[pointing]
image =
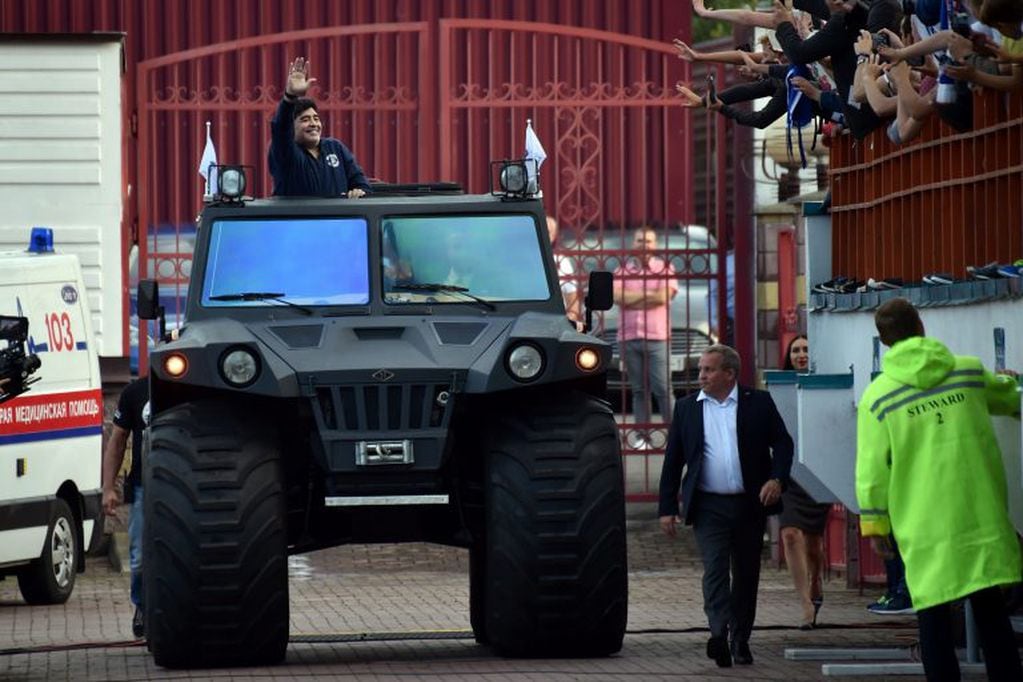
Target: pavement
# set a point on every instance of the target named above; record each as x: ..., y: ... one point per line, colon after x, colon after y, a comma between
x: 375, y: 612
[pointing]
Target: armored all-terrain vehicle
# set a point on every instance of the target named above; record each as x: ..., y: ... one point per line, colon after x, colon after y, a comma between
x: 389, y: 369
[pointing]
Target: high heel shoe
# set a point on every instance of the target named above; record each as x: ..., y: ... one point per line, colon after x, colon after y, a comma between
x: 817, y: 603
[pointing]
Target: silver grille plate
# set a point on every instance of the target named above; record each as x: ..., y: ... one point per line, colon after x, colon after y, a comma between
x: 376, y: 452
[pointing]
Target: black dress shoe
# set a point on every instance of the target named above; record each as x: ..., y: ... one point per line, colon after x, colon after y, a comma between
x: 717, y: 648
x: 741, y: 653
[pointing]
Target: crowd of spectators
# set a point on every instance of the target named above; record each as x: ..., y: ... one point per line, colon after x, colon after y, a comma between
x: 861, y: 64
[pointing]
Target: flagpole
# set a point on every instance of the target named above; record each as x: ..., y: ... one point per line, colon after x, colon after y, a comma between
x: 206, y: 194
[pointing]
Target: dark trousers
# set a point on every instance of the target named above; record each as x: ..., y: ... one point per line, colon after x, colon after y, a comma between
x: 997, y: 640
x: 895, y: 573
x: 730, y: 534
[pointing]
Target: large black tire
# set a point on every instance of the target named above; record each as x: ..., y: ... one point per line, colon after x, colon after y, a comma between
x: 556, y: 570
x: 214, y: 541
x: 50, y: 579
x: 477, y: 593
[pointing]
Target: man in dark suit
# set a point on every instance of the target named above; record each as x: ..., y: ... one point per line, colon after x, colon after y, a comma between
x: 737, y: 456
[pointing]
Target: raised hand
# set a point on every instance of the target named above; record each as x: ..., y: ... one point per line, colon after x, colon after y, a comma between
x: 893, y: 38
x: 685, y: 53
x: 690, y: 99
x: 807, y: 88
x: 749, y: 62
x: 782, y: 14
x: 864, y: 44
x: 960, y: 47
x: 770, y: 54
x: 299, y: 81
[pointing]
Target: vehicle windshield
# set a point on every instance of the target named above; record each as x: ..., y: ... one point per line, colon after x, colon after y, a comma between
x: 492, y: 257
x: 311, y: 262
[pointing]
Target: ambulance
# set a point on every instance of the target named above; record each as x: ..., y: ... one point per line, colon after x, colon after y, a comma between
x: 51, y: 418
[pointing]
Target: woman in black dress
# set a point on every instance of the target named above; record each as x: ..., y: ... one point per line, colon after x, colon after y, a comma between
x: 803, y: 521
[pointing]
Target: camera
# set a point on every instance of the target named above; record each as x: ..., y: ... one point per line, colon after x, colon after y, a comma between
x: 16, y: 366
x: 960, y: 23
x: 879, y: 40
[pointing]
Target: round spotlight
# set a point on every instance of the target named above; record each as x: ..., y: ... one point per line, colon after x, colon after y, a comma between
x: 232, y: 182
x: 525, y: 362
x: 239, y: 367
x: 514, y: 178
x: 175, y: 365
x: 587, y: 359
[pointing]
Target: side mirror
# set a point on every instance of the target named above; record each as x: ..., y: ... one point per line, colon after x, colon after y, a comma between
x: 599, y: 294
x: 148, y: 299
x: 148, y: 303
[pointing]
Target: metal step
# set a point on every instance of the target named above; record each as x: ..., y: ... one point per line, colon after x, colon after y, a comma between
x: 384, y: 500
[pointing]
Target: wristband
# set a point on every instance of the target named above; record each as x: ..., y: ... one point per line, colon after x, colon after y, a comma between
x: 289, y: 97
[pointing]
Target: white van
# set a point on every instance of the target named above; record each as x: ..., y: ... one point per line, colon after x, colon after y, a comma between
x: 51, y: 422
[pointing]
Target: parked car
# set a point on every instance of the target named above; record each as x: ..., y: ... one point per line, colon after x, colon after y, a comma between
x: 691, y: 250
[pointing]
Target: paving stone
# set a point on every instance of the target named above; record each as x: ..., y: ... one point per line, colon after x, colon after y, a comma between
x: 417, y: 589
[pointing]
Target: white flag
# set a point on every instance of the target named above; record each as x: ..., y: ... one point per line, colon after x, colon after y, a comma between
x: 209, y: 158
x: 534, y: 151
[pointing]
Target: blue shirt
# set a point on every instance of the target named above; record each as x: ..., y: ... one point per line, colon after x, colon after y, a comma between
x: 297, y: 173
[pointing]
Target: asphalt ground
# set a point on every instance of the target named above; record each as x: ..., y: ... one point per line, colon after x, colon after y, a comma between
x: 382, y: 612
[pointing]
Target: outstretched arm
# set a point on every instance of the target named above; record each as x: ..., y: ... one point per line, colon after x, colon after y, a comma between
x: 942, y: 40
x: 742, y: 17
x: 689, y: 54
x: 1010, y: 83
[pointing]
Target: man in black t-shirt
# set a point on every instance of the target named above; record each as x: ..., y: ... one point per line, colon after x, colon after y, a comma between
x: 132, y: 416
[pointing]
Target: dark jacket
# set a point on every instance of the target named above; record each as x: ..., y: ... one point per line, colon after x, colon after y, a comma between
x: 765, y: 451
x: 297, y: 173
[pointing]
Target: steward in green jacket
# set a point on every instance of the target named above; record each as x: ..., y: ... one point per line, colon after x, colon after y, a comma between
x: 929, y: 469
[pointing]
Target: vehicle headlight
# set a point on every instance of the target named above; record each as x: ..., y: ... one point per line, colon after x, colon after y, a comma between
x: 525, y: 362
x: 587, y: 359
x: 239, y: 367
x: 175, y: 365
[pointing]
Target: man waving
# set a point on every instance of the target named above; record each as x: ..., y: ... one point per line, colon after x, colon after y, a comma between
x: 302, y: 161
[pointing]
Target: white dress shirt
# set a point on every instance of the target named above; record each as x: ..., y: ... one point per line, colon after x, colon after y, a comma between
x: 721, y: 472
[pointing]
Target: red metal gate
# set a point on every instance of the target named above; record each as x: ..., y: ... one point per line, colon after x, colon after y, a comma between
x: 441, y: 100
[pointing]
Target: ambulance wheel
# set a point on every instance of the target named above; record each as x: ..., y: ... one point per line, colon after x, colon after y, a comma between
x: 51, y: 578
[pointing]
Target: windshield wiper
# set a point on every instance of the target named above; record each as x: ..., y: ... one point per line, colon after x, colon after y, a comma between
x: 261, y: 296
x: 447, y: 289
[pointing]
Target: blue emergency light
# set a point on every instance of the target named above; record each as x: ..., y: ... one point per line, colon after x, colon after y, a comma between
x: 41, y: 240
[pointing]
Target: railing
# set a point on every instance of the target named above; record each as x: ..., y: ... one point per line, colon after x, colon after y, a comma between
x: 937, y: 204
